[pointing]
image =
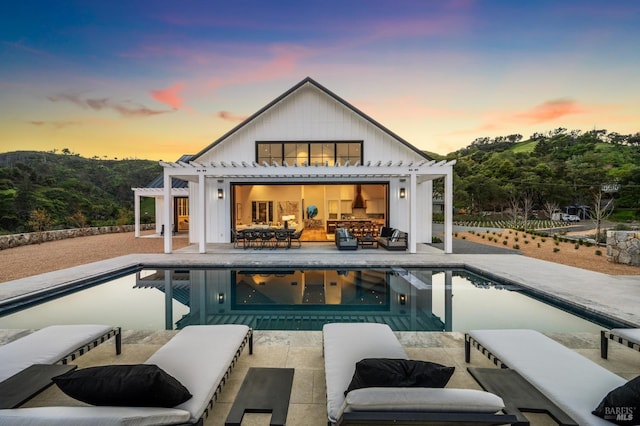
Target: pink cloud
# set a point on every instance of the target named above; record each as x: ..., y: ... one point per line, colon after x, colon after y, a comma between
x: 170, y: 96
x: 282, y: 64
x: 126, y: 108
x: 226, y: 115
x: 549, y: 111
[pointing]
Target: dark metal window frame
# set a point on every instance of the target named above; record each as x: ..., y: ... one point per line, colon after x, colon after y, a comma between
x: 308, y: 143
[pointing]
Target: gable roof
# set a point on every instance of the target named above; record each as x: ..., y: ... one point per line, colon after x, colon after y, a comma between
x: 176, y: 183
x: 309, y: 80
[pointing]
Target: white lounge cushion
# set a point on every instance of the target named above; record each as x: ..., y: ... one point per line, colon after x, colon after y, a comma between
x: 94, y: 416
x: 575, y: 383
x: 631, y: 334
x: 46, y: 346
x: 199, y: 357
x: 344, y: 345
x: 422, y: 399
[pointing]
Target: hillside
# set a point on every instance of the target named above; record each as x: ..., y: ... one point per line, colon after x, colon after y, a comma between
x: 550, y: 172
x: 74, y: 191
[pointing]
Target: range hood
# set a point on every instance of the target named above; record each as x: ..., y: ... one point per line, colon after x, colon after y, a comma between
x: 358, y: 201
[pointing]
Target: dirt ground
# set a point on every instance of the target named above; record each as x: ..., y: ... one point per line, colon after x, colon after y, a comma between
x: 25, y: 261
x: 567, y: 253
x: 36, y: 259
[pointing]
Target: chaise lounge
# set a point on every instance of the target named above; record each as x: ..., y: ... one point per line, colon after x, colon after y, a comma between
x: 574, y: 383
x: 630, y: 337
x: 199, y: 357
x: 345, y: 344
x: 52, y: 345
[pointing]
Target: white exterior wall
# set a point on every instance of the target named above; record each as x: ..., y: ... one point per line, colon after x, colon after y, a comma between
x: 306, y: 115
x: 310, y: 115
x: 159, y: 213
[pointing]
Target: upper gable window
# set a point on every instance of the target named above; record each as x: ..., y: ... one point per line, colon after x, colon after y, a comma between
x: 311, y: 153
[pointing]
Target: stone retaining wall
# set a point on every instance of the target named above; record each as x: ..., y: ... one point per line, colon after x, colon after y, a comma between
x: 623, y: 247
x: 16, y: 240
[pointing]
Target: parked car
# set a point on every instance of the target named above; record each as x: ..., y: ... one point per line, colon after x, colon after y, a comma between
x: 570, y: 218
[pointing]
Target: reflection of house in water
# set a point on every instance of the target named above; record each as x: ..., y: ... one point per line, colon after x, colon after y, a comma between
x: 301, y: 299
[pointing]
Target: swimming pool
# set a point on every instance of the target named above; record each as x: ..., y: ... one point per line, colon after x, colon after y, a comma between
x: 408, y: 299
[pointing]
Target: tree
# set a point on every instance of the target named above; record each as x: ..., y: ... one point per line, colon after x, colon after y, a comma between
x: 549, y: 208
x: 39, y: 221
x: 527, y: 207
x: 601, y: 210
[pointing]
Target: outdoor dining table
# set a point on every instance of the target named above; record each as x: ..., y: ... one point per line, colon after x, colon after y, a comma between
x: 261, y: 237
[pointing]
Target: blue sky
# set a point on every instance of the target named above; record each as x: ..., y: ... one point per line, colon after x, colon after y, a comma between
x: 159, y: 79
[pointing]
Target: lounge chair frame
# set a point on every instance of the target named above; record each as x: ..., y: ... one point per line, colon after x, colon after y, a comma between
x: 470, y: 341
x: 114, y: 332
x: 248, y: 339
x: 412, y: 418
x: 606, y: 335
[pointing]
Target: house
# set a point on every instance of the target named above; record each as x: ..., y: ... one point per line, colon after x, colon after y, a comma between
x: 308, y: 159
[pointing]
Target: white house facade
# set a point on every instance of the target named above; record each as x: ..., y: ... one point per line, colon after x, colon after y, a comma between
x: 308, y: 159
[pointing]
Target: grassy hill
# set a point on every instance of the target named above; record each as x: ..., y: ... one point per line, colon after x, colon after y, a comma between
x: 71, y: 189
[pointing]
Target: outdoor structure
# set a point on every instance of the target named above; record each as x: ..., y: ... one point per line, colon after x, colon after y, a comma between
x: 308, y: 159
x: 179, y: 206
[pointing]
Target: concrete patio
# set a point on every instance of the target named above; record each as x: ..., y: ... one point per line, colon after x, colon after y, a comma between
x: 616, y: 297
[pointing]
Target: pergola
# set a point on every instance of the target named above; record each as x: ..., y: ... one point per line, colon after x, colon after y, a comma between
x: 416, y: 174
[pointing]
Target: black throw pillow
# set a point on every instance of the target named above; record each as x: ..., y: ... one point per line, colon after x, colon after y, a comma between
x: 622, y: 405
x: 385, y: 372
x: 140, y: 385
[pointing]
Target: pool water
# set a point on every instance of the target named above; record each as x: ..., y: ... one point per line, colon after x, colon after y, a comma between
x: 411, y: 299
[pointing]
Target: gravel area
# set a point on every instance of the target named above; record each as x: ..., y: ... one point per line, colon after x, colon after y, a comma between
x: 567, y: 254
x: 25, y: 261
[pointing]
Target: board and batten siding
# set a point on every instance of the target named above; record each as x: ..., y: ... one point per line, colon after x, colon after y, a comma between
x: 309, y: 115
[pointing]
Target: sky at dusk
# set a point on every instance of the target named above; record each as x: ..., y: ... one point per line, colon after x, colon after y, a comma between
x: 158, y: 79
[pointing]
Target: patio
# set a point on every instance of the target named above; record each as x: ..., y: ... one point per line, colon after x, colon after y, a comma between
x: 303, y: 350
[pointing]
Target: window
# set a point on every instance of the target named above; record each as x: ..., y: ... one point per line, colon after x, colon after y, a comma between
x: 309, y: 152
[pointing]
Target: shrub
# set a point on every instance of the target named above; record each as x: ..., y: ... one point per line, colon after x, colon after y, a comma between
x: 516, y: 246
x: 576, y: 246
x: 543, y: 239
x: 526, y: 241
x: 556, y: 249
x: 598, y: 252
x: 505, y: 242
x: 538, y: 245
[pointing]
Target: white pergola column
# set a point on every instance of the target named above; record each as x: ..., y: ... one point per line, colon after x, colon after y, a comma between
x: 202, y: 240
x: 448, y: 211
x: 167, y: 213
x: 136, y: 214
x: 413, y: 213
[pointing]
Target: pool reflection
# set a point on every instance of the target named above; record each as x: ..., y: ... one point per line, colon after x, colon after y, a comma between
x: 302, y: 299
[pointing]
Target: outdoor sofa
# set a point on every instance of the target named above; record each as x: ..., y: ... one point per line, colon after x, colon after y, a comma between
x: 393, y: 239
x: 629, y: 337
x: 345, y: 344
x: 199, y: 357
x: 577, y: 385
x: 344, y: 240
